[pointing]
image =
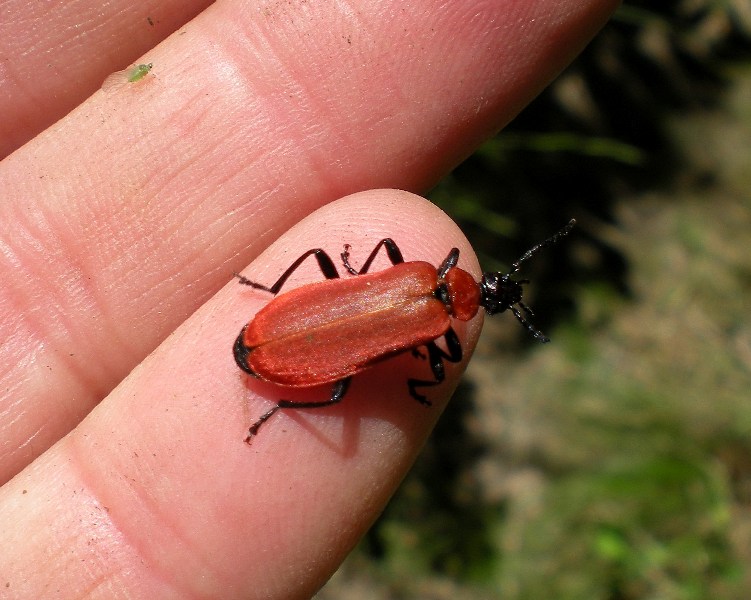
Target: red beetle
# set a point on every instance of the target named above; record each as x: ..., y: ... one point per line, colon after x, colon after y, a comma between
x: 327, y: 332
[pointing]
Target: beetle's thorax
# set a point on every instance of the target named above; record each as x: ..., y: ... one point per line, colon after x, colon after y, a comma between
x: 458, y: 290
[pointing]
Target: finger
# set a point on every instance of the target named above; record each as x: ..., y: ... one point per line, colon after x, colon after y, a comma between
x: 56, y: 54
x: 125, y: 216
x: 158, y: 496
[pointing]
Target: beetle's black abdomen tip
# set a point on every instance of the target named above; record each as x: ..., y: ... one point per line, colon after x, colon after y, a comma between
x: 241, y: 352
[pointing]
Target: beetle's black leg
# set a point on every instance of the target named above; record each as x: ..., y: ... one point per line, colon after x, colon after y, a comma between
x: 436, y: 356
x: 324, y: 262
x: 337, y: 393
x: 392, y: 251
x: 448, y: 263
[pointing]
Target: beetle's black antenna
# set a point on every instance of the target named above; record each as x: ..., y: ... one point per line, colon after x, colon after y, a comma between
x: 539, y: 335
x: 544, y: 244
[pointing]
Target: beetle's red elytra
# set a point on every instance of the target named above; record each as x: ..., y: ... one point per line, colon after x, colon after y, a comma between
x: 329, y: 331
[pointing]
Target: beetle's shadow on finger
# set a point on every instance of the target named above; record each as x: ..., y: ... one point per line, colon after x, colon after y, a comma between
x: 312, y: 421
x: 380, y: 393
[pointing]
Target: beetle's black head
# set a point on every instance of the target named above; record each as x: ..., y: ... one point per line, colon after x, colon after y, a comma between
x: 500, y: 292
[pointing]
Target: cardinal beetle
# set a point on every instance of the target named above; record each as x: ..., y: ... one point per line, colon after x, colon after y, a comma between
x: 327, y: 332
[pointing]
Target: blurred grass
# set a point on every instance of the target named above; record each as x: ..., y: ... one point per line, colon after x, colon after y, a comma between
x: 614, y: 463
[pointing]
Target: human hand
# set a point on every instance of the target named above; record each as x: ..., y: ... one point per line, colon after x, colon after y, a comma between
x: 121, y: 226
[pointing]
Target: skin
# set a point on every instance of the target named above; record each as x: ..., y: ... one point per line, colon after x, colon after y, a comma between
x: 123, y: 412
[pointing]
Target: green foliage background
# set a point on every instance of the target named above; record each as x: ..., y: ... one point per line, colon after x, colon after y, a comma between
x: 614, y: 463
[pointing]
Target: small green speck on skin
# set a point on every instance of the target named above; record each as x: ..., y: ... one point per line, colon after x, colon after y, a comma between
x: 117, y: 81
x: 139, y: 72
